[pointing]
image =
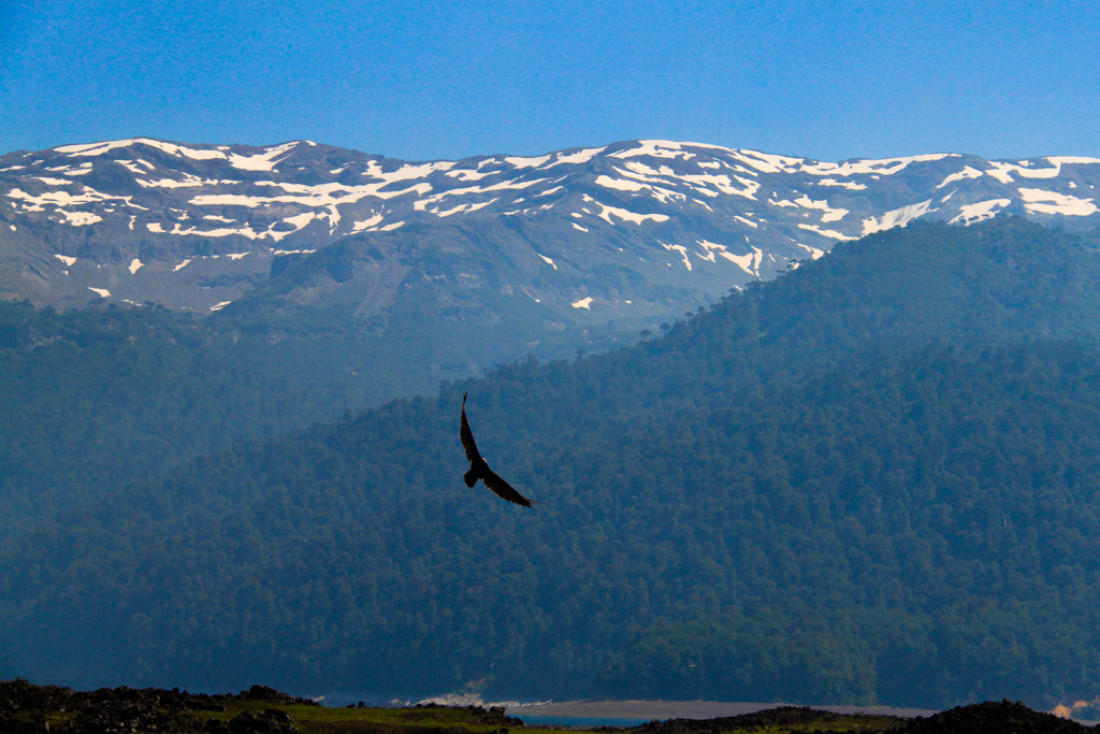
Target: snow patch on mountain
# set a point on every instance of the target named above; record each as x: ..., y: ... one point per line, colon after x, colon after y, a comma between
x: 1040, y: 201
x: 654, y: 149
x: 458, y: 209
x: 850, y: 185
x: 607, y: 212
x: 32, y: 203
x: 245, y: 231
x: 1003, y: 171
x: 714, y: 185
x: 80, y: 219
x: 830, y: 214
x: 82, y: 170
x: 95, y: 148
x: 49, y: 181
x: 364, y: 225
x: 519, y: 162
x: 815, y: 253
x: 578, y: 157
x: 714, y: 250
x: 896, y: 217
x: 426, y: 203
x: 966, y: 173
x: 768, y: 162
x: 880, y: 166
x: 661, y: 194
x: 830, y: 233
x: 262, y: 161
x: 265, y: 161
x: 750, y: 262
x: 682, y: 251
x: 978, y: 211
x: 188, y: 181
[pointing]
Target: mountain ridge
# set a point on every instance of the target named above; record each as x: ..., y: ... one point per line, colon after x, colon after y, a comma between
x: 473, y: 262
x: 196, y: 227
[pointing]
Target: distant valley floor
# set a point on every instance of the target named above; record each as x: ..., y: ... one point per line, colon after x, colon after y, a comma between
x: 649, y: 710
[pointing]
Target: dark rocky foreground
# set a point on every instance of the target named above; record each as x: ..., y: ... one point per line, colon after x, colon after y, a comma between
x: 25, y: 707
x: 1005, y: 717
x: 995, y: 717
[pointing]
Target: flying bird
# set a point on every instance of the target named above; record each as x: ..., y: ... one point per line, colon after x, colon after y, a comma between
x: 479, y: 469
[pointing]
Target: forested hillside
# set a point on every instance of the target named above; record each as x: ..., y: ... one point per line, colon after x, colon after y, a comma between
x: 874, y: 479
x: 94, y: 398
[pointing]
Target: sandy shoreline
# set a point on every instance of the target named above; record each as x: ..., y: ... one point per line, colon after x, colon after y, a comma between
x: 649, y: 710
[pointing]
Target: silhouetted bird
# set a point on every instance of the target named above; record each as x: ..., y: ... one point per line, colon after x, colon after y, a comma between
x: 479, y: 469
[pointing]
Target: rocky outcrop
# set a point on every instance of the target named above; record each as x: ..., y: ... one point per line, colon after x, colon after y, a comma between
x: 25, y: 707
x: 995, y: 718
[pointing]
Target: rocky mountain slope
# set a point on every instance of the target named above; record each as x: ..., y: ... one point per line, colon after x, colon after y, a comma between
x: 434, y: 271
x: 624, y: 233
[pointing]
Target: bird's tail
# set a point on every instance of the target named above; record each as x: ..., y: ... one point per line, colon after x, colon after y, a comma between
x: 471, y: 477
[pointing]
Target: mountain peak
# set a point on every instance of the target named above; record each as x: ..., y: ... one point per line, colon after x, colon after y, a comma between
x: 683, y: 221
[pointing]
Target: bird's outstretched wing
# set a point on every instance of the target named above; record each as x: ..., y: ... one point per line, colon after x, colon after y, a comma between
x: 472, y: 454
x: 502, y: 488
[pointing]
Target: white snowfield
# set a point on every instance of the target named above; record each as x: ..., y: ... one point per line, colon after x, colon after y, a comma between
x: 896, y: 217
x: 585, y: 303
x: 758, y: 209
x: 1052, y: 202
x: 264, y: 161
x: 980, y: 210
x: 667, y: 173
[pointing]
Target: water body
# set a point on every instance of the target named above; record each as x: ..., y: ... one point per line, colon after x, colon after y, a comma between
x: 633, y: 713
x: 605, y: 713
x: 580, y: 722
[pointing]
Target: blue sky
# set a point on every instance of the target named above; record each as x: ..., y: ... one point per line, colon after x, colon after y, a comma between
x: 445, y: 79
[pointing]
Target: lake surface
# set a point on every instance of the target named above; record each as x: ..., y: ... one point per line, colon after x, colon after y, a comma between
x: 585, y: 722
x: 634, y: 713
x: 608, y: 713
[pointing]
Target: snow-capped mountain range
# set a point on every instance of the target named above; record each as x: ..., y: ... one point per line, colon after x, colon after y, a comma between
x: 630, y: 231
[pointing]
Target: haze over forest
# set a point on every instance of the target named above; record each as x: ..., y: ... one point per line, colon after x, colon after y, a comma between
x: 870, y: 479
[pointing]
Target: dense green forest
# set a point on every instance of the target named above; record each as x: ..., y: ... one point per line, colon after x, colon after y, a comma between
x: 96, y: 398
x: 873, y: 479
